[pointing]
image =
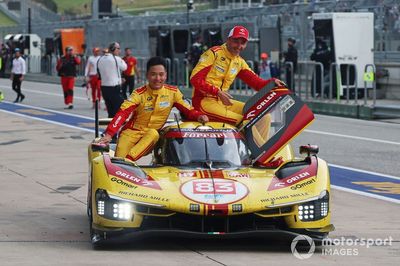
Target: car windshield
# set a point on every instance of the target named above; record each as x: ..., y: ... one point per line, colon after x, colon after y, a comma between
x: 224, y: 152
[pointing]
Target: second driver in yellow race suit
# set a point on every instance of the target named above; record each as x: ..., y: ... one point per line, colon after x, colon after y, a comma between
x: 147, y: 108
x: 215, y: 72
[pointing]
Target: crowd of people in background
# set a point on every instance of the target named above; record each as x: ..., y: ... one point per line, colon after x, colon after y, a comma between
x: 111, y: 77
x: 99, y: 73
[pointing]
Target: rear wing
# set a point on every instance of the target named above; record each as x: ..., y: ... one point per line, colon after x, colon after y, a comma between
x: 271, y: 118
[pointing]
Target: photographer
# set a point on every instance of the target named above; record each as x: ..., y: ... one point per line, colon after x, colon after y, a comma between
x: 109, y: 68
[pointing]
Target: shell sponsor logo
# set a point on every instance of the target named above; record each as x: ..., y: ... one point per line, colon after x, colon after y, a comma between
x: 236, y: 174
x: 187, y: 174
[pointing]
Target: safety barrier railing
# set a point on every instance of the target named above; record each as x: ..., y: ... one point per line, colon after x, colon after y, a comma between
x: 176, y: 70
x: 355, y: 85
x: 310, y: 80
x: 186, y: 74
x: 169, y: 69
x: 141, y: 66
x: 289, y: 74
x: 308, y: 77
x: 241, y: 88
x: 334, y: 79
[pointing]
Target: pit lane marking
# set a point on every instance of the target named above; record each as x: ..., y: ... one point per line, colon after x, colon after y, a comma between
x: 363, y: 171
x: 48, y: 121
x: 371, y: 195
x: 351, y: 137
x: 47, y: 93
x: 349, y: 186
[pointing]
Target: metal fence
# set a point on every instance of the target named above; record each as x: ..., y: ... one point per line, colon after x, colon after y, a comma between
x: 311, y: 81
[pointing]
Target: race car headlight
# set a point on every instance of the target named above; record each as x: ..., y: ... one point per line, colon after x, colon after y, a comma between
x: 111, y: 208
x: 314, y: 210
x: 122, y: 211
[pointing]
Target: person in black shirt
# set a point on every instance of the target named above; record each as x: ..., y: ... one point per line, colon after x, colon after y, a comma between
x: 291, y: 56
x: 321, y: 54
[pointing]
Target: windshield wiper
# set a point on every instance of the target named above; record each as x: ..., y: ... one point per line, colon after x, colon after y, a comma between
x: 206, y: 164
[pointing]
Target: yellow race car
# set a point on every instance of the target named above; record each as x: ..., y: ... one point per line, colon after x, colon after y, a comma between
x: 216, y: 180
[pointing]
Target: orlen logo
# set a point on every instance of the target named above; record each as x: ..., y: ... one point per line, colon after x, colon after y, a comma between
x: 278, y: 184
x: 117, y: 121
x: 261, y: 105
x: 297, y: 177
x: 128, y: 176
x: 137, y: 180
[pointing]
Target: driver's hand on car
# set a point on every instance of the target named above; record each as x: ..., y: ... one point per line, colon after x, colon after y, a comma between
x: 105, y: 140
x: 280, y: 83
x: 225, y: 97
x: 203, y: 119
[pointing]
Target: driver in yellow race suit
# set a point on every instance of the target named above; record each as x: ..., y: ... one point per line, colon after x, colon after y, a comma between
x: 147, y: 109
x: 216, y: 71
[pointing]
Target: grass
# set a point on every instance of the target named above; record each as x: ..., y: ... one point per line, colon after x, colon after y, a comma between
x: 74, y: 6
x: 129, y: 6
x: 6, y: 21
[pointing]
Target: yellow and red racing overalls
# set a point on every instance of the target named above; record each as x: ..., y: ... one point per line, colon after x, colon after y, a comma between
x: 217, y: 70
x: 147, y: 111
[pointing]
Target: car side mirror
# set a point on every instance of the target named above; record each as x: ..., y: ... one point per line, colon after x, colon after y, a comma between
x: 220, y: 141
x: 309, y: 149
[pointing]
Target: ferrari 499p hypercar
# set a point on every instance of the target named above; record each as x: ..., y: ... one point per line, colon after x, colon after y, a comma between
x: 216, y: 180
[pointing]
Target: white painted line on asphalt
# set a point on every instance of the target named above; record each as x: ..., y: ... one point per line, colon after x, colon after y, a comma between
x: 366, y: 194
x: 52, y: 111
x: 49, y: 93
x: 48, y: 121
x: 352, y: 137
x: 55, y: 94
x: 364, y: 171
x: 335, y: 165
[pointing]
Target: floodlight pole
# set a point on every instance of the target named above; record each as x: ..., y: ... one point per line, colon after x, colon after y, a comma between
x: 189, y: 6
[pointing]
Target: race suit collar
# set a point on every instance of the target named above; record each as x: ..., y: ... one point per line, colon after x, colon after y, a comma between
x: 227, y: 53
x: 154, y: 92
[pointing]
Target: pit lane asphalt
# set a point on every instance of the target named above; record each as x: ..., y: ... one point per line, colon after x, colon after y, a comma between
x: 44, y: 173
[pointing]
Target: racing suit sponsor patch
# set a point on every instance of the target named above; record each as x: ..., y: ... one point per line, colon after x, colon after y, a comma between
x: 164, y: 104
x: 220, y: 69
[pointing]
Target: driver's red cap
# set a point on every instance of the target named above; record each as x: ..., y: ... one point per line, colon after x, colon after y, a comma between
x: 239, y: 32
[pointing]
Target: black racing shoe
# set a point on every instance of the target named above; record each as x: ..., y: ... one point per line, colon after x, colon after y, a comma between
x: 22, y: 98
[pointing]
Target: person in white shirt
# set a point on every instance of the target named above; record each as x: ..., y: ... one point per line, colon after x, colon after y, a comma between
x: 18, y: 71
x: 91, y: 76
x: 109, y: 68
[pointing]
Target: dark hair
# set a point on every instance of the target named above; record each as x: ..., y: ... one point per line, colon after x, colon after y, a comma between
x: 113, y: 46
x: 157, y: 60
x: 291, y: 39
